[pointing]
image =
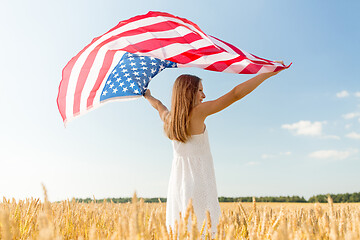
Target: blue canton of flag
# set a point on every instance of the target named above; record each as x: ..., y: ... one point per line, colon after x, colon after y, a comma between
x: 132, y: 75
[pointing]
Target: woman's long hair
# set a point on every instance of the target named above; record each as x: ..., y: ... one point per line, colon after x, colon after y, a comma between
x: 182, y: 102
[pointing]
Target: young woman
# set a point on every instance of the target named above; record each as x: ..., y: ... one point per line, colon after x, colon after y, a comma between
x: 192, y: 173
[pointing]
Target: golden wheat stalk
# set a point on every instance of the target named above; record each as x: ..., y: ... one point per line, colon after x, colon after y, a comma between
x: 34, y: 219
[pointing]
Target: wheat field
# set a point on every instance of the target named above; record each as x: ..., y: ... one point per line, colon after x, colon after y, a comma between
x: 33, y: 219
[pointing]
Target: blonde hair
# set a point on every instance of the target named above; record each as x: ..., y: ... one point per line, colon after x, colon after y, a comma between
x: 182, y: 102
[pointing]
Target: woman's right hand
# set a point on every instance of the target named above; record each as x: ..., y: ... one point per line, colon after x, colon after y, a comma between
x: 147, y: 93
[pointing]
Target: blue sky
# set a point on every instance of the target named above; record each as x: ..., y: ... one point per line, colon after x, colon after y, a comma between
x: 297, y: 134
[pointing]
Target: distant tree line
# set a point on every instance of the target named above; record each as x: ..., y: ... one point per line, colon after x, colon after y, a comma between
x: 263, y: 199
x: 119, y: 200
x: 337, y: 198
x: 321, y: 198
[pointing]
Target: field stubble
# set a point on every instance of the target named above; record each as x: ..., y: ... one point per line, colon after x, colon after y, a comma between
x: 33, y: 219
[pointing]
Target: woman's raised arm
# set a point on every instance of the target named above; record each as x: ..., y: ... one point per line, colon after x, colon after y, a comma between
x: 207, y: 108
x: 157, y: 104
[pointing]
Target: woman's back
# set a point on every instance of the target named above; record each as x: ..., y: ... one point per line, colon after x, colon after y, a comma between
x: 197, y: 145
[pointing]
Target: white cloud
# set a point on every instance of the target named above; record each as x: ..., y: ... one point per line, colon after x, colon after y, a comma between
x: 330, y: 154
x: 357, y: 94
x: 351, y: 115
x: 347, y: 126
x: 353, y: 135
x: 306, y: 128
x: 342, y: 94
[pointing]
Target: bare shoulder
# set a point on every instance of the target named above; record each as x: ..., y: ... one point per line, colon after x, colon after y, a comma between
x: 210, y: 107
x: 197, y: 112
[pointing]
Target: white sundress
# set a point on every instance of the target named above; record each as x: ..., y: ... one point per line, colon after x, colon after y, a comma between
x: 192, y: 176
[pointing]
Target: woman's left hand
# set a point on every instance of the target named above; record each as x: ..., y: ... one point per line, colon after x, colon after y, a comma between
x: 274, y: 73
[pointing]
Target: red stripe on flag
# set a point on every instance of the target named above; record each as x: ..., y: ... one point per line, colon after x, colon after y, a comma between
x: 251, y: 69
x: 61, y: 98
x: 101, y: 77
x: 154, y: 44
x: 278, y: 68
x: 193, y: 54
x: 222, y: 65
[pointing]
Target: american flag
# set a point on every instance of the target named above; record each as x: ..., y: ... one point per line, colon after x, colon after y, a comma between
x: 119, y: 64
x: 131, y: 76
